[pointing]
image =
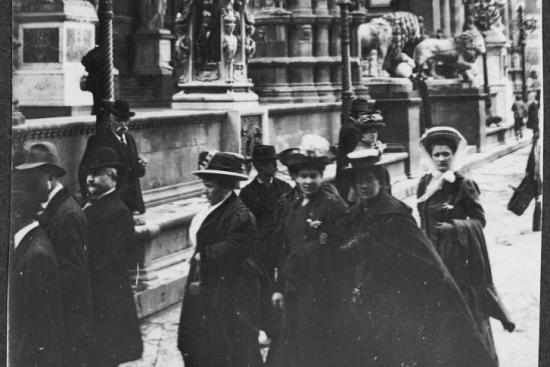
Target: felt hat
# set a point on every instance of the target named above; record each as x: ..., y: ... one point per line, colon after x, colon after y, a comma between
x: 363, y: 157
x: 221, y: 164
x: 103, y: 157
x: 442, y: 133
x: 262, y: 153
x: 121, y: 109
x: 313, y: 149
x: 43, y: 154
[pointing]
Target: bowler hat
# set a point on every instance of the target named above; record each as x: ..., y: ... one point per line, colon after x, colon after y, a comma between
x: 121, y: 109
x: 43, y: 154
x: 103, y: 157
x: 221, y: 164
x: 263, y: 153
x: 313, y: 149
x: 442, y: 133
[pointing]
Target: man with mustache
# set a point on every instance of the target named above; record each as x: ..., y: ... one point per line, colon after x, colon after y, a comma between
x: 118, y: 138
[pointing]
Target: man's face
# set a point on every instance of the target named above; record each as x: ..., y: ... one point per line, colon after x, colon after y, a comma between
x: 99, y: 182
x: 266, y: 168
x: 308, y: 181
x: 366, y: 185
x: 119, y: 124
x: 213, y: 191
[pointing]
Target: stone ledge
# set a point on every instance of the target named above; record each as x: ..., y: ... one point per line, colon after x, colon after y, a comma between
x: 290, y: 108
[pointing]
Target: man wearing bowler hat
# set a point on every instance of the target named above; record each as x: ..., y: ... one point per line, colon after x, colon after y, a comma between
x: 261, y: 195
x: 118, y: 138
x: 66, y: 227
x: 117, y: 336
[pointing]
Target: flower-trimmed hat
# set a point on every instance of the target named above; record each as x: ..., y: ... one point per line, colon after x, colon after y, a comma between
x: 221, y: 164
x: 362, y: 158
x: 313, y: 149
x: 367, y: 115
x: 442, y: 133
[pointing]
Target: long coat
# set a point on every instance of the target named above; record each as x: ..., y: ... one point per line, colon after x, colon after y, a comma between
x: 128, y: 184
x: 464, y: 251
x: 67, y: 229
x: 212, y: 332
x: 117, y: 336
x: 35, y: 319
x: 405, y: 308
x: 307, y: 278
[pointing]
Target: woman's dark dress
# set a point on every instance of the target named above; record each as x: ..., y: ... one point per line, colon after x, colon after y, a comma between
x: 306, y: 278
x: 464, y: 251
x: 405, y: 309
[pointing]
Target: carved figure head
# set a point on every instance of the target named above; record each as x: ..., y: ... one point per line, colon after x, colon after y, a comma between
x: 230, y: 22
x: 470, y: 44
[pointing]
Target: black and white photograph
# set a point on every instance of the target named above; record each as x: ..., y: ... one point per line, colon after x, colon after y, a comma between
x: 276, y: 183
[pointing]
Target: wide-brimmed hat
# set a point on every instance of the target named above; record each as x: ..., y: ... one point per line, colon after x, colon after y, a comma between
x: 221, y: 164
x: 262, y: 153
x: 369, y: 117
x: 313, y: 149
x: 441, y: 132
x: 43, y: 154
x: 103, y: 157
x: 363, y: 157
x: 121, y: 109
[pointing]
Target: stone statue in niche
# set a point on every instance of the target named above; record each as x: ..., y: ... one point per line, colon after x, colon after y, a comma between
x: 182, y: 46
x: 230, y: 42
x: 450, y: 58
x: 152, y: 13
x: 390, y: 35
x: 249, y: 43
x: 203, y: 42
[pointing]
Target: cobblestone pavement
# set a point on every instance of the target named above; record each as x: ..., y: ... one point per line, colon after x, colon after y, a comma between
x: 514, y: 251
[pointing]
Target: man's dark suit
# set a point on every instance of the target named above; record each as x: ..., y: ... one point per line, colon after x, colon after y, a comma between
x: 117, y: 334
x: 35, y: 321
x: 66, y: 227
x: 128, y: 183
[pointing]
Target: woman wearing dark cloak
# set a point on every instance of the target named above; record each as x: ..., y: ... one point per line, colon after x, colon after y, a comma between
x: 404, y: 307
x: 305, y: 289
x: 453, y: 219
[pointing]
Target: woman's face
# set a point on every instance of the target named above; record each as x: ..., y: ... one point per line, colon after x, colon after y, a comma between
x: 442, y: 155
x: 308, y: 181
x: 213, y: 191
x: 367, y: 185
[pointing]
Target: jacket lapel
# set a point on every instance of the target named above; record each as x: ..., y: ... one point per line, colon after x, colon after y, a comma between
x: 54, y: 204
x: 214, y: 217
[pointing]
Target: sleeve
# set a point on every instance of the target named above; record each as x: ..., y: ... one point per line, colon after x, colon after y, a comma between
x: 91, y: 144
x: 44, y: 325
x: 279, y: 214
x: 138, y: 167
x: 237, y: 245
x: 72, y: 256
x: 470, y: 192
x: 118, y: 238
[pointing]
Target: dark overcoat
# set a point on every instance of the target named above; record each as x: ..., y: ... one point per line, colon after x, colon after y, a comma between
x: 128, y: 183
x: 464, y: 250
x: 211, y: 331
x: 307, y: 279
x: 117, y: 333
x: 67, y: 229
x: 406, y: 310
x: 35, y: 319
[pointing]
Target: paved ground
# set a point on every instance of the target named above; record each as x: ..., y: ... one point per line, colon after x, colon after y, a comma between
x: 515, y: 256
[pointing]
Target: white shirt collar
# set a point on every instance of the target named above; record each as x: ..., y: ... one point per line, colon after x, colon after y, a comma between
x: 52, y: 193
x: 19, y: 235
x: 270, y: 181
x: 121, y: 138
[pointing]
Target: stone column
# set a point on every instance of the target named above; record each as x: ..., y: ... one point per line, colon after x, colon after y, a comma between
x: 436, y: 16
x: 457, y: 12
x: 445, y: 11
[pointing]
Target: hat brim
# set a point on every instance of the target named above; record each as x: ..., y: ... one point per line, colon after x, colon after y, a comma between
x: 214, y: 172
x: 116, y: 165
x: 298, y: 159
x: 58, y: 171
x: 371, y: 124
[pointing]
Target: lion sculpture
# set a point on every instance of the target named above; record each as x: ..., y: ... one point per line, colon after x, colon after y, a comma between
x: 383, y: 40
x: 450, y: 58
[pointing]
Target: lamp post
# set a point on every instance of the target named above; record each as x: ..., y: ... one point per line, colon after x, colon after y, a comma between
x: 106, y: 83
x: 347, y: 92
x: 525, y: 26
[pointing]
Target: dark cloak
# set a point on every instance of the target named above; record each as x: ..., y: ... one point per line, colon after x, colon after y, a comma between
x: 464, y: 251
x: 405, y: 308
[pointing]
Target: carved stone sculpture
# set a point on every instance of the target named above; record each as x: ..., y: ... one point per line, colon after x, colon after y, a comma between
x: 450, y: 58
x: 152, y: 13
x: 389, y: 35
x: 182, y: 46
x: 230, y: 40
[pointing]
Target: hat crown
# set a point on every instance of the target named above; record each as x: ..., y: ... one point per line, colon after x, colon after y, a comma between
x: 121, y: 109
x: 44, y: 152
x: 263, y: 152
x: 221, y: 161
x: 103, y: 157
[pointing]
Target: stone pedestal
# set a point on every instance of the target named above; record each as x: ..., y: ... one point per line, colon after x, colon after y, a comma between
x: 497, y: 58
x: 54, y: 38
x: 153, y: 62
x: 400, y: 106
x: 459, y: 105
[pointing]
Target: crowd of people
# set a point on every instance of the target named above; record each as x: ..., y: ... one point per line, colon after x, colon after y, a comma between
x: 319, y: 278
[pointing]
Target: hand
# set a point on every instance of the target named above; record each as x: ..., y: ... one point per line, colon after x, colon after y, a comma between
x: 444, y: 227
x: 278, y: 300
x: 509, y: 326
x: 263, y: 339
x: 323, y: 238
